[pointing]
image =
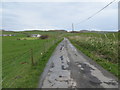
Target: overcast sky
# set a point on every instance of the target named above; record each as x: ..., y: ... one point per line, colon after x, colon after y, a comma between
x: 58, y: 15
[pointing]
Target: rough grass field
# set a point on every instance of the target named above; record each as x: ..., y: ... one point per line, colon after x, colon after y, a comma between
x: 101, y: 47
x: 17, y: 57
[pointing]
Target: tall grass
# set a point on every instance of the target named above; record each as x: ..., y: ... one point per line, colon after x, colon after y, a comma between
x: 102, y: 47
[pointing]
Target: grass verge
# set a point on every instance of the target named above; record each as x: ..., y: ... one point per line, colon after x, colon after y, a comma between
x: 111, y: 67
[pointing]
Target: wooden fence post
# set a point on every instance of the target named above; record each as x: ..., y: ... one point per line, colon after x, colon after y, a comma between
x: 31, y: 52
x: 44, y: 47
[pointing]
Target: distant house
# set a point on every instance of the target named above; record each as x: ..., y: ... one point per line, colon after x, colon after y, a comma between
x: 7, y: 35
x: 35, y: 35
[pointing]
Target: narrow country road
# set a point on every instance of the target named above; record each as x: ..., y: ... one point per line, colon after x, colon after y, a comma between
x: 70, y: 68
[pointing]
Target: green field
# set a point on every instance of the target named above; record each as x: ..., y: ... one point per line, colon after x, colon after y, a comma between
x: 0, y: 61
x: 24, y: 60
x: 101, y: 47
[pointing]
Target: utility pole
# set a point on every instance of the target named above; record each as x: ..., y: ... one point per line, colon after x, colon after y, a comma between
x: 72, y: 27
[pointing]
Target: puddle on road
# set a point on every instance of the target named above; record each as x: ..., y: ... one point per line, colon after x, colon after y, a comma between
x: 61, y: 57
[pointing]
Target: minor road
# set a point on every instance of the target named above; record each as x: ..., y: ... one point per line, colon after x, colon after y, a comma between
x: 70, y: 68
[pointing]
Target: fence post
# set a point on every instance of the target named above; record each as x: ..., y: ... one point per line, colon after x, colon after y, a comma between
x: 44, y: 47
x: 31, y: 52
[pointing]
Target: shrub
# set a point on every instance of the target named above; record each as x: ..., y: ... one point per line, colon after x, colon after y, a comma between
x: 18, y: 38
x: 28, y: 36
x: 44, y: 37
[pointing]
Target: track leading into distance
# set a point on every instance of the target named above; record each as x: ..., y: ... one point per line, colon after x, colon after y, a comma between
x: 70, y: 68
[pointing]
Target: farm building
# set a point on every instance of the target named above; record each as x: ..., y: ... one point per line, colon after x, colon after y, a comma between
x: 35, y: 35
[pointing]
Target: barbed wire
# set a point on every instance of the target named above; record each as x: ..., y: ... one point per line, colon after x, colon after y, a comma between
x: 17, y: 73
x: 21, y: 67
x: 18, y: 56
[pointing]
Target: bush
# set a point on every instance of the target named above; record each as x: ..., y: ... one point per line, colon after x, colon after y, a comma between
x: 44, y: 37
x: 28, y: 36
x: 18, y: 38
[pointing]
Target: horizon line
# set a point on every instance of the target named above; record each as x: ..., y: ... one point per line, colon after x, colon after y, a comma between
x: 61, y: 30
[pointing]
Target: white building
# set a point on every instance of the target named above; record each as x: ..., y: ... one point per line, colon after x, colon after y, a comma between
x: 35, y: 35
x: 7, y: 35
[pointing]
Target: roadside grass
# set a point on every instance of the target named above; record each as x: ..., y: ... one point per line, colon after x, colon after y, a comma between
x: 104, y: 49
x: 17, y: 56
x: 29, y: 38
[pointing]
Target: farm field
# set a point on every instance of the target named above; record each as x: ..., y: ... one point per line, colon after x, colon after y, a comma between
x: 101, y: 47
x: 24, y: 60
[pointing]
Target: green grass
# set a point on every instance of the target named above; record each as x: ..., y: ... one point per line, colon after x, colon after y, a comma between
x: 29, y: 38
x: 31, y: 78
x: 103, y: 48
x: 18, y: 71
x: 0, y: 61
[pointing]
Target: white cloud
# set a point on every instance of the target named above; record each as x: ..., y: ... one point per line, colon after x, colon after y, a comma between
x: 58, y: 0
x: 46, y: 16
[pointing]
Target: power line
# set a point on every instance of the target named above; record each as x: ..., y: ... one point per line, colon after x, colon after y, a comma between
x: 97, y: 12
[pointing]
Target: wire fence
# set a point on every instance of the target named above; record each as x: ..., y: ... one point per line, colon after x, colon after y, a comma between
x: 15, y: 67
